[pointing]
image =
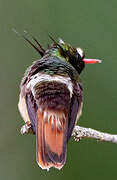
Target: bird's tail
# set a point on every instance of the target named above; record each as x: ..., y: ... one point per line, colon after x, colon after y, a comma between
x: 51, y: 138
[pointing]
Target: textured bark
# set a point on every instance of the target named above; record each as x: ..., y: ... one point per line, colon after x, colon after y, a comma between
x: 83, y: 133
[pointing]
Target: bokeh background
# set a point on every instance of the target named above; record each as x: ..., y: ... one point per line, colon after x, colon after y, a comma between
x: 91, y: 25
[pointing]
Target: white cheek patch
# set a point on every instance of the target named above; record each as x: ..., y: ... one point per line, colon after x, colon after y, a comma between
x: 38, y: 78
x: 80, y: 51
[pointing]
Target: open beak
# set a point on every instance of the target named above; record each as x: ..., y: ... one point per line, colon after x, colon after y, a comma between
x: 91, y: 61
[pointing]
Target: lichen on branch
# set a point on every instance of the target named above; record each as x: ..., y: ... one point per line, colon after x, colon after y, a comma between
x: 83, y: 133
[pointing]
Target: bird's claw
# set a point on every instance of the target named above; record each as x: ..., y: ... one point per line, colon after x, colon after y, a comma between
x: 77, y: 138
x: 26, y: 128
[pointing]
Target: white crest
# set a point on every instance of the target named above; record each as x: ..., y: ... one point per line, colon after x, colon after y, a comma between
x: 80, y: 51
x: 61, y: 41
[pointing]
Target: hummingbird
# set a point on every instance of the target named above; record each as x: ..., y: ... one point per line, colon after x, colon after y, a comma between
x: 51, y: 99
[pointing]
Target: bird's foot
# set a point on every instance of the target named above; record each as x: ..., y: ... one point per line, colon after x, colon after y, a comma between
x: 27, y: 128
x: 77, y: 139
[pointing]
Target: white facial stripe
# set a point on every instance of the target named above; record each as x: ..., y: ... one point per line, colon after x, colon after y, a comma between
x: 80, y: 51
x: 37, y: 78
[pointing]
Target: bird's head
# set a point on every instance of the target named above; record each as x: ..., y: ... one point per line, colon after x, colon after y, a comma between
x: 75, y: 56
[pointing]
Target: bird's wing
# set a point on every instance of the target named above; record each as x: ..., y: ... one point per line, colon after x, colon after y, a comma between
x: 75, y: 108
x: 50, y: 128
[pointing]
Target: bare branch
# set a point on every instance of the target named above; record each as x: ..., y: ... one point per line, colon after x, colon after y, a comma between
x: 81, y: 132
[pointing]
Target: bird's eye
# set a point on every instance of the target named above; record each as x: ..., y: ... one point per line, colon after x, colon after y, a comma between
x: 80, y: 52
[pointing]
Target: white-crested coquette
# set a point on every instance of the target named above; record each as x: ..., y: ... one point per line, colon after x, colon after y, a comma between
x: 50, y: 100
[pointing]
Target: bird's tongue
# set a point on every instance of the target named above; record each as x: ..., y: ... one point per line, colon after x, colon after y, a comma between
x: 91, y: 61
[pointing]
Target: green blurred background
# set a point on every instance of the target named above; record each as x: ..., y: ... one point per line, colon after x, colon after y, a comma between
x: 90, y: 24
